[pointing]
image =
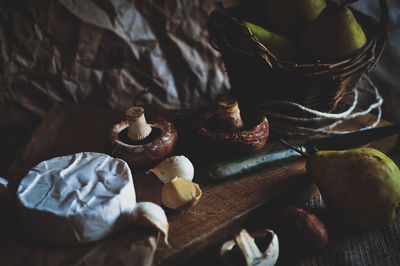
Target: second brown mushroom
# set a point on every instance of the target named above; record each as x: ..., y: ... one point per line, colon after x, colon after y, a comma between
x: 232, y: 129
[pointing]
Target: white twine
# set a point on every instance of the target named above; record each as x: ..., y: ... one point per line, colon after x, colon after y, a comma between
x: 318, y: 115
x: 290, y: 124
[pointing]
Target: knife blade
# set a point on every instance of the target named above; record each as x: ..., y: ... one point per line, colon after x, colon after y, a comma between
x: 248, y: 163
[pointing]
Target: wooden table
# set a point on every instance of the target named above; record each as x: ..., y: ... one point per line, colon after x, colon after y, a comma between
x: 220, y: 213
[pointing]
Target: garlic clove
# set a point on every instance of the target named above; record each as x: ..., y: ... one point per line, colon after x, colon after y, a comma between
x: 245, y: 244
x: 180, y: 194
x: 248, y: 247
x: 174, y: 166
x: 148, y: 213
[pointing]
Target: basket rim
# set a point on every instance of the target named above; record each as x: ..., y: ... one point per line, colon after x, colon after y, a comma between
x: 363, y: 60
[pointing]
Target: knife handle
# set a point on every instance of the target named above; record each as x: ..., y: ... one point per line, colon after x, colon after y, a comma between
x: 227, y: 169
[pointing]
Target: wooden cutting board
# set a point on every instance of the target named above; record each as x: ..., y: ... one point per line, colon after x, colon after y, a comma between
x: 219, y: 214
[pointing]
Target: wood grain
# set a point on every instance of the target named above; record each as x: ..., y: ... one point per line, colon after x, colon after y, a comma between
x: 219, y: 214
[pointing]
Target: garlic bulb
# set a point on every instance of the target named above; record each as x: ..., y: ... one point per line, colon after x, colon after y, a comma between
x: 180, y: 194
x: 174, y: 166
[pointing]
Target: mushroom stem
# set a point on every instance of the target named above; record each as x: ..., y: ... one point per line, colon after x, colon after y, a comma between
x: 229, y: 115
x: 138, y: 127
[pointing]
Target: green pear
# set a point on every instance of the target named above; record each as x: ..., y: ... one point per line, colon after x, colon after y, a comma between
x: 362, y: 185
x: 333, y: 36
x: 278, y: 45
x: 289, y: 17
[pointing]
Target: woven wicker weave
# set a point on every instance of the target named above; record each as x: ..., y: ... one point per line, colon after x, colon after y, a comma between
x: 256, y: 75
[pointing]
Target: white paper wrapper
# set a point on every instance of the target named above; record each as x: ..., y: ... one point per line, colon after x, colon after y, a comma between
x: 77, y: 198
x: 3, y: 190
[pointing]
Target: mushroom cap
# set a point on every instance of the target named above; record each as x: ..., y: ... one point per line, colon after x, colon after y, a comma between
x: 252, y: 138
x: 144, y: 153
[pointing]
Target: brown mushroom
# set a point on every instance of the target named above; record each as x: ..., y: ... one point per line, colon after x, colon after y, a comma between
x: 141, y: 144
x: 232, y: 129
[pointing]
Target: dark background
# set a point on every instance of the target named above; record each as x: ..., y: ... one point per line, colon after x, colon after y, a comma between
x: 103, y: 52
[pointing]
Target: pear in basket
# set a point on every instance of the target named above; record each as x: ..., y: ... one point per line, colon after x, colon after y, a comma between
x: 333, y: 36
x: 290, y: 17
x: 278, y: 45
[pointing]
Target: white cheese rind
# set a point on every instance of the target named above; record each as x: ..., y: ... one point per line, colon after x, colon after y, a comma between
x: 77, y: 198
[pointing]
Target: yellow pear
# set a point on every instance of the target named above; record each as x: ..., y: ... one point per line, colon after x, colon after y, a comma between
x: 362, y: 185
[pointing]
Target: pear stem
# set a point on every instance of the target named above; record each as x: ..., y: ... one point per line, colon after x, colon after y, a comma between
x: 295, y: 148
x: 347, y: 2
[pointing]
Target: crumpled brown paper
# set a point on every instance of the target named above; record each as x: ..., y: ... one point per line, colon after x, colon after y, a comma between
x: 103, y: 52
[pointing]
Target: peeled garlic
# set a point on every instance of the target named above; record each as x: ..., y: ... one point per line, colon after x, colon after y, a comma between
x: 174, y: 166
x: 180, y: 194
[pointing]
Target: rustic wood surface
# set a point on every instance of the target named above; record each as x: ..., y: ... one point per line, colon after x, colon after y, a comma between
x: 219, y: 214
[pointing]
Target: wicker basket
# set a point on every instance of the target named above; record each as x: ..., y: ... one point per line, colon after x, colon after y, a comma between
x: 256, y: 75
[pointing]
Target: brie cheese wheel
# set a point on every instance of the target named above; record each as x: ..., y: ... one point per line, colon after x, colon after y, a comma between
x: 77, y: 198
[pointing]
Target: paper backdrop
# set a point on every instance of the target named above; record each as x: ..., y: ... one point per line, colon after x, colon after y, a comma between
x: 105, y: 51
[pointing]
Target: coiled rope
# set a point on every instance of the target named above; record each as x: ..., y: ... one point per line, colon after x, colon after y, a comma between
x: 323, y: 123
